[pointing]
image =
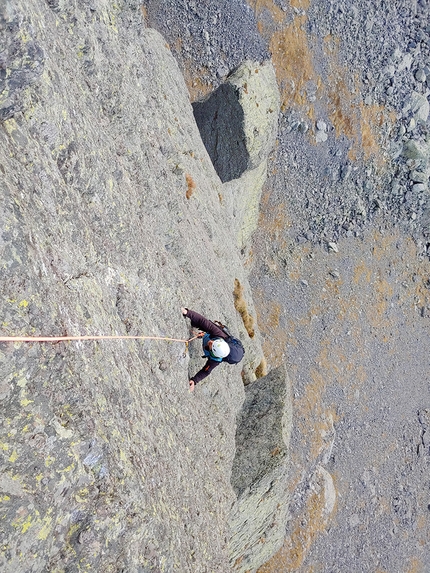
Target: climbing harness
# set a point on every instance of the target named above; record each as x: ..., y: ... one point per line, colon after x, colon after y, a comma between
x: 95, y: 337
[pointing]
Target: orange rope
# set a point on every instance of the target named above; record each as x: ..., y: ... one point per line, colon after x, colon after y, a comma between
x: 112, y: 337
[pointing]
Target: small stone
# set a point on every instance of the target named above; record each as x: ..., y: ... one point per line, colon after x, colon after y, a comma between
x: 304, y: 282
x: 416, y: 150
x: 346, y: 172
x: 321, y: 125
x: 321, y: 136
x: 406, y: 63
x: 333, y: 247
x: 390, y: 70
x: 222, y: 72
x: 354, y: 520
x: 395, y: 187
x: 418, y: 187
x: 420, y: 107
x: 335, y: 274
x: 419, y: 176
x: 406, y: 109
x: 420, y: 75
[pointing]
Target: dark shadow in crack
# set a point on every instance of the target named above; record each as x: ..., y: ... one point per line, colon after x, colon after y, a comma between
x: 220, y: 120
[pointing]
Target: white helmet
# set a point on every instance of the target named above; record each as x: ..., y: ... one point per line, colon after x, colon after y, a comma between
x: 220, y: 348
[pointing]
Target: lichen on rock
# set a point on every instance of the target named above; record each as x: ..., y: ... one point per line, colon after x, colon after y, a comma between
x: 110, y: 213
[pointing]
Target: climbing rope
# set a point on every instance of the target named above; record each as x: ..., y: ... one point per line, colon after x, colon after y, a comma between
x: 84, y: 337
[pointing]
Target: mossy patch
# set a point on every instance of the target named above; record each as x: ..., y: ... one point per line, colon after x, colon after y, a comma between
x: 242, y: 308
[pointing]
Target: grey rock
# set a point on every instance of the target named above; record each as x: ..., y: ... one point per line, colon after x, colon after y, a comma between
x: 259, y: 475
x: 111, y: 423
x: 416, y: 150
x: 405, y: 63
x: 419, y: 176
x: 303, y: 127
x: 321, y: 136
x: 420, y: 107
x: 420, y: 75
x: 22, y: 60
x: 346, y: 172
x: 390, y: 70
x: 238, y: 122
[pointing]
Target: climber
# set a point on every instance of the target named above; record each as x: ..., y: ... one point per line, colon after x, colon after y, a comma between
x: 218, y: 345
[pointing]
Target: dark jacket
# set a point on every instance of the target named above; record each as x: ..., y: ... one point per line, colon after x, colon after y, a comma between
x: 199, y: 321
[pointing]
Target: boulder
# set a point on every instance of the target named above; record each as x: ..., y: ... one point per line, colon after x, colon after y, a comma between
x: 238, y: 125
x: 419, y: 151
x: 238, y: 122
x: 259, y: 475
x: 420, y: 107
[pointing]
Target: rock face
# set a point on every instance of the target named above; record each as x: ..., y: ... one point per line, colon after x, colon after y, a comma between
x: 260, y: 465
x: 24, y: 58
x: 112, y: 217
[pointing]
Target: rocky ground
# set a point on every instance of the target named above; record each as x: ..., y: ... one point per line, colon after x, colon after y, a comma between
x: 340, y: 261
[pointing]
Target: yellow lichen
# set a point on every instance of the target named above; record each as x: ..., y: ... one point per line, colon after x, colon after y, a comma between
x: 45, y: 529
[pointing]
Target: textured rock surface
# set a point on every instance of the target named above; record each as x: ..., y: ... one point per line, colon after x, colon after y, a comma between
x: 259, y: 473
x: 110, y: 212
